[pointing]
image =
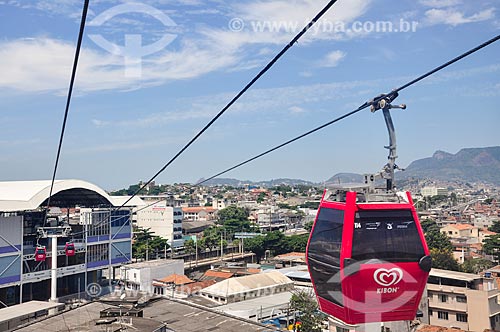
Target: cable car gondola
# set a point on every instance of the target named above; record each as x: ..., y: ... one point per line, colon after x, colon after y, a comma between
x: 69, y: 248
x: 367, y: 254
x: 40, y: 253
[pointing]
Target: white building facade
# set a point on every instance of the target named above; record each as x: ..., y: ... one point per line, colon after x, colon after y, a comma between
x: 165, y: 221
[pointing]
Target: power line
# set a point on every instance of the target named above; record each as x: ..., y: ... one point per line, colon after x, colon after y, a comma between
x: 235, y: 98
x: 68, y: 101
x: 363, y: 106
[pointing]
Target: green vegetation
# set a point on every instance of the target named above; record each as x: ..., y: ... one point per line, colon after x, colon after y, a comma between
x: 234, y: 219
x: 476, y: 265
x: 310, y: 205
x: 435, y: 239
x: 495, y: 227
x: 146, y: 245
x: 277, y: 243
x: 444, y: 260
x: 311, y: 319
x: 492, y: 246
x: 439, y: 246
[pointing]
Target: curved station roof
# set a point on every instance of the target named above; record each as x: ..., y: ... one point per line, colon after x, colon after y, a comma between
x: 29, y: 195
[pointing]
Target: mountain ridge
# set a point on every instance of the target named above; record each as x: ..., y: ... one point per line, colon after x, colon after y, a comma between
x: 467, y: 165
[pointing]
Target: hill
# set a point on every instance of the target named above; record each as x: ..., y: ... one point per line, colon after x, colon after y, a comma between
x: 266, y: 184
x: 467, y: 165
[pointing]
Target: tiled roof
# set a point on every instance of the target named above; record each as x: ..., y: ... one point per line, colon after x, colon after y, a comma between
x: 197, y: 209
x: 217, y: 275
x: 176, y: 279
x: 462, y: 227
x: 433, y: 328
x: 292, y: 255
x: 195, y: 287
x: 487, y: 232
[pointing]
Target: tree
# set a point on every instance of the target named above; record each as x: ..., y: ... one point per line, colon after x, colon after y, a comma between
x: 256, y: 245
x: 276, y: 243
x: 310, y: 205
x: 234, y: 219
x: 190, y: 246
x: 495, y: 227
x: 297, y: 243
x: 491, y: 246
x: 435, y: 239
x: 233, y: 212
x: 476, y: 265
x: 146, y: 245
x: 311, y: 319
x: 443, y: 259
x: 309, y: 225
x: 429, y: 224
x: 211, y: 238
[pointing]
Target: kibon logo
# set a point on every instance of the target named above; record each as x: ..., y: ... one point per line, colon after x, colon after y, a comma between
x: 387, y: 278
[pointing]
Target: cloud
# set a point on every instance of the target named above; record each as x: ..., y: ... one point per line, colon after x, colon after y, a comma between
x: 332, y: 59
x: 290, y: 99
x: 439, y: 3
x: 195, y: 53
x: 283, y: 100
x: 276, y: 22
x: 454, y: 17
x: 44, y: 65
x: 10, y: 143
x: 296, y: 109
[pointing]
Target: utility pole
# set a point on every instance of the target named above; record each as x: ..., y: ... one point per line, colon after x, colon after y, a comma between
x: 221, y: 246
x: 196, y: 251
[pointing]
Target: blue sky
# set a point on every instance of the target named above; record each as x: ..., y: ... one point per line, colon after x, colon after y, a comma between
x: 128, y: 118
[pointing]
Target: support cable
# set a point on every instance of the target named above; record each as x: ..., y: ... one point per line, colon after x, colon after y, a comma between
x: 68, y: 101
x: 363, y: 106
x: 235, y: 98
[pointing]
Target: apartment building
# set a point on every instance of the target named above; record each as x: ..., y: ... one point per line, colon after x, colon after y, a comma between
x: 433, y: 191
x: 455, y: 231
x: 462, y: 300
x: 162, y: 220
x: 201, y: 213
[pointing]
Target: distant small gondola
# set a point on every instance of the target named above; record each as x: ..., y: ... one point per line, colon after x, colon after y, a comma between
x: 40, y: 254
x: 69, y: 248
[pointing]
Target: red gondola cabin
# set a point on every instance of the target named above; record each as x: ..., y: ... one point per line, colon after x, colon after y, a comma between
x: 69, y: 248
x: 368, y: 261
x: 40, y: 254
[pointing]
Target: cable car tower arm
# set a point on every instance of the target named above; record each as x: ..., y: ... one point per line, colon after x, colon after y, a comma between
x: 383, y: 103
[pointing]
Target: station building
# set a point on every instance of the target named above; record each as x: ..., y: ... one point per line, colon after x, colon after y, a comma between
x: 101, y: 233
